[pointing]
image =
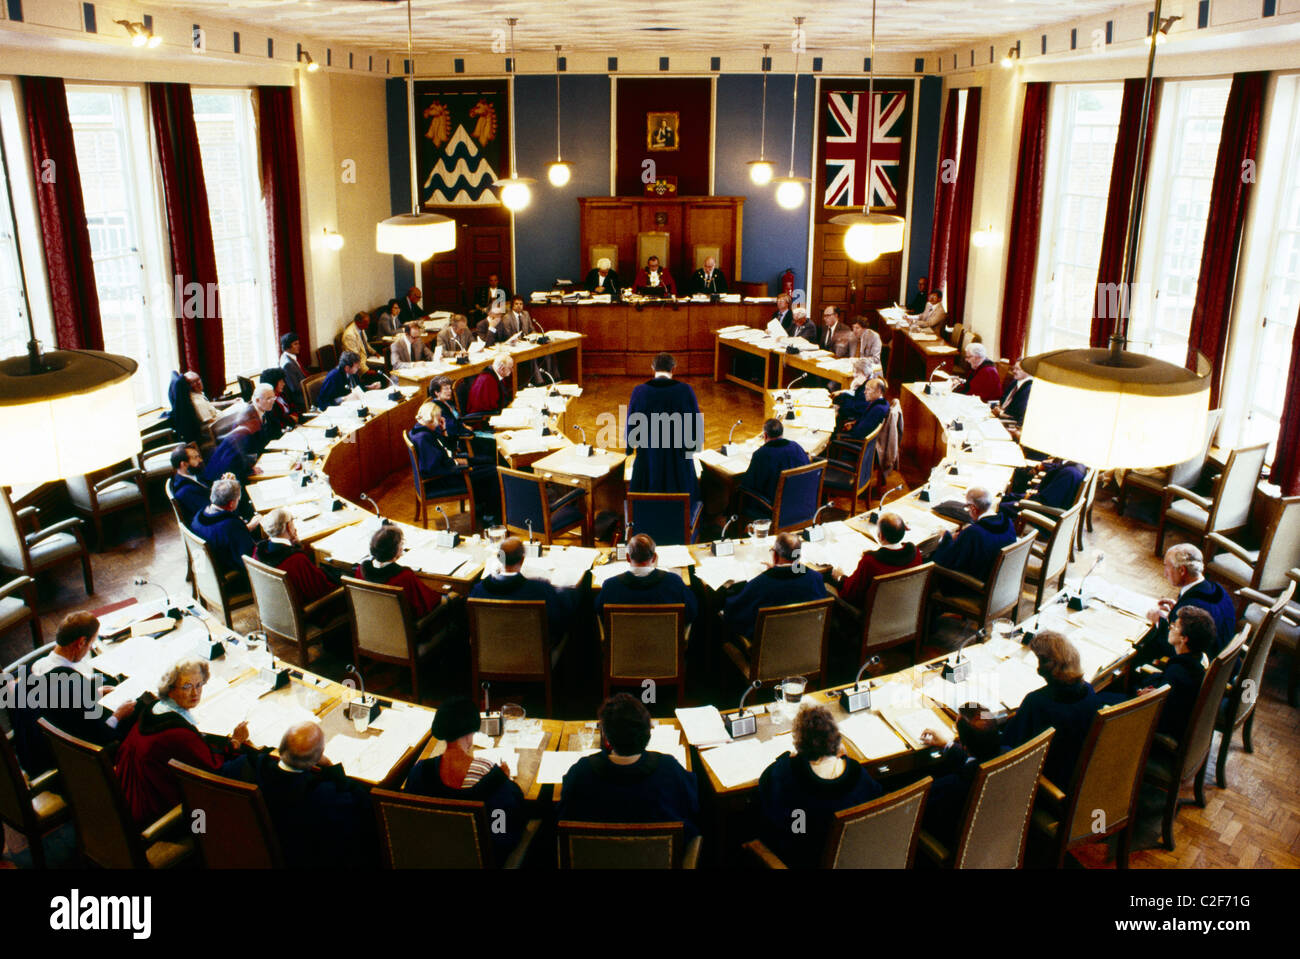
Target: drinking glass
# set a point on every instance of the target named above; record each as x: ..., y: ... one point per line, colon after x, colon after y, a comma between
x: 760, y: 528
x: 1001, y: 628
x: 793, y: 689
x: 512, y: 719
x: 361, y: 719
x: 496, y: 535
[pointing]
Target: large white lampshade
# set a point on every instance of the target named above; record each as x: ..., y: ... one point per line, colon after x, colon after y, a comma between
x: 790, y: 191
x: 1138, y: 413
x: 75, y: 416
x: 416, y: 237
x: 870, y: 234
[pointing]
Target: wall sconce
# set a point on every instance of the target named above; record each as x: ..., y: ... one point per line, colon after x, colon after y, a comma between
x: 305, y: 57
x: 141, y: 36
x: 333, y: 241
x: 1013, y: 54
x: 985, y: 238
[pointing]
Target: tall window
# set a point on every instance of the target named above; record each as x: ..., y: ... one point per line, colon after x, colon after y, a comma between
x: 1080, y: 149
x: 122, y: 213
x: 228, y: 145
x: 18, y: 226
x: 1173, y: 222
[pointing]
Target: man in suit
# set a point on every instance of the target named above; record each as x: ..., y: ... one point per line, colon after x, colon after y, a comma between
x: 341, y: 381
x: 221, y: 527
x: 1058, y: 487
x: 1185, y: 571
x: 356, y: 340
x: 490, y: 391
x: 865, y: 342
x: 511, y: 585
x: 409, y: 347
x: 784, y: 313
x: 645, y: 584
x: 933, y: 316
x: 184, y: 417
x: 494, y: 295
x: 294, y: 374
x: 834, y: 336
x: 766, y: 465
x: 411, y: 310
x: 1192, y: 634
x: 784, y: 583
x: 62, y: 688
x: 492, y: 328
x: 603, y: 279
x: 1015, y: 398
x: 983, y: 381
x: 804, y: 327
x: 655, y: 280
x: 188, y: 490
x: 456, y: 336
x: 975, y: 548
x: 916, y: 302
x: 519, y: 322
x: 664, y: 429
x: 709, y: 280
x: 322, y: 818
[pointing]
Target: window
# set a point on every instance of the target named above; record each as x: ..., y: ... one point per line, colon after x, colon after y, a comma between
x: 228, y: 146
x: 1082, y: 128
x: 1259, y: 351
x: 1173, y: 222
x: 18, y: 225
x: 123, y: 217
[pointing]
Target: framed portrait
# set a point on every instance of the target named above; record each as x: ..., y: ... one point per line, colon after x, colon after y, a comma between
x: 661, y: 131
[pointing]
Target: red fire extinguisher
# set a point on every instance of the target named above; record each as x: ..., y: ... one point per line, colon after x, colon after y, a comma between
x: 787, y: 281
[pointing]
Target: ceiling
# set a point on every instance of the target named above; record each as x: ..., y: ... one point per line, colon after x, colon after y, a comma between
x: 612, y: 26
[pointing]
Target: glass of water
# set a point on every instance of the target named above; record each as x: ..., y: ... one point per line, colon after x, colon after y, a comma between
x: 512, y: 721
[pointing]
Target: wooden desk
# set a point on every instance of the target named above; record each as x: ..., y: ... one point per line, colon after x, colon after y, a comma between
x: 725, y: 350
x: 560, y: 467
x: 569, y: 741
x: 911, y: 359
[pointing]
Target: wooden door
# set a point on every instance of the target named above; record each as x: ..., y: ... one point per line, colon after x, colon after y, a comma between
x: 481, y: 250
x: 856, y: 288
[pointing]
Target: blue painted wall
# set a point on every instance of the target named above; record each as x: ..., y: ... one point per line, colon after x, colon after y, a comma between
x: 772, y: 238
x: 547, y: 232
x: 399, y: 172
x: 929, y: 124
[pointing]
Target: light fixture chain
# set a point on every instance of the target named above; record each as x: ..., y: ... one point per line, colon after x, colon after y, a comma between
x: 794, y: 111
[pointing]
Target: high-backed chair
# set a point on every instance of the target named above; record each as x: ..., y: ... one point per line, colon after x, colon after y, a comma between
x: 995, y: 824
x: 606, y: 845
x: 106, y: 836
x: 238, y: 833
x: 221, y: 592
x: 15, y: 611
x: 652, y: 243
x: 95, y: 495
x: 155, y: 458
x: 1175, y: 762
x: 510, y: 640
x: 32, y: 809
x: 603, y: 251
x: 1227, y: 511
x: 893, y: 613
x: 327, y: 355
x: 797, y: 498
x: 1232, y: 563
x: 851, y: 466
x: 1085, y: 496
x: 788, y: 641
x: 311, y: 386
x: 385, y: 630
x: 1105, y: 781
x: 1187, y: 473
x: 881, y: 834
x: 981, y: 601
x: 421, y: 832
x: 643, y: 642
x: 285, y: 616
x: 1238, y: 709
x: 526, y: 505
x: 245, y: 387
x: 473, y: 421
x: 1049, y: 558
x: 702, y: 251
x: 28, y: 553
x: 667, y: 518
x: 1286, y: 633
x: 430, y: 492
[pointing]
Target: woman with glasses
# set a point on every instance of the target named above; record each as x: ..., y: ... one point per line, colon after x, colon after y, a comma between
x: 165, y: 729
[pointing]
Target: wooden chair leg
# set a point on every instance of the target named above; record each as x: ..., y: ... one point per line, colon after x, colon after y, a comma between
x: 1171, y: 810
x: 1123, y: 846
x: 86, y: 576
x: 1200, y: 782
x: 1246, y: 730
x: 148, y: 515
x: 1120, y: 499
x: 1221, y: 762
x: 1160, y: 536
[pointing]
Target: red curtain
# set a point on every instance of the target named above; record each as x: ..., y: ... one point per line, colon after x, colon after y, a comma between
x: 189, y: 234
x: 1026, y: 216
x: 943, y: 194
x: 62, y: 209
x: 962, y: 204
x: 1286, y: 455
x: 280, y: 191
x: 1110, y: 264
x: 1229, y: 202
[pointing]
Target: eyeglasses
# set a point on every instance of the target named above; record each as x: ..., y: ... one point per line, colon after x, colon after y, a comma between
x: 189, y: 687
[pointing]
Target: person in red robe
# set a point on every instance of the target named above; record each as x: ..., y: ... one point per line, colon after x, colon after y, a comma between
x: 490, y: 390
x: 382, y: 567
x: 164, y: 729
x: 282, y: 551
x: 892, y: 557
x: 984, y: 381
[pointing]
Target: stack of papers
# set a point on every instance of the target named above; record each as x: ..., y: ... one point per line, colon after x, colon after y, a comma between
x: 675, y: 557
x: 521, y: 442
x: 910, y: 723
x: 554, y: 765
x: 743, y: 761
x: 702, y: 725
x: 872, y: 736
x: 436, y: 560
x: 716, y: 571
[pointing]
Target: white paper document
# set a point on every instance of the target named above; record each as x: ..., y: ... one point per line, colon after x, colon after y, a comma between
x: 743, y: 761
x: 702, y: 725
x: 871, y: 735
x: 554, y: 765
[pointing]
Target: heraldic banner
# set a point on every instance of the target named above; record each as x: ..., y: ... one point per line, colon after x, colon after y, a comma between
x: 462, y: 141
x: 847, y: 126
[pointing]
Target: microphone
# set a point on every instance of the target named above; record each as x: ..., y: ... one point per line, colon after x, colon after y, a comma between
x: 620, y: 549
x: 788, y: 387
x: 814, y: 533
x: 928, y: 382
x: 744, y: 723
x: 167, y: 598
x: 875, y: 514
x: 857, y: 699
x: 215, y: 648
x: 532, y: 550
x: 726, y: 449
x: 394, y: 394
x: 445, y: 518
x: 366, y: 499
x: 1077, y: 602
x: 958, y: 671
x: 445, y: 537
x: 547, y: 374
x: 584, y: 449
x: 491, y: 724
x: 542, y: 338
x: 720, y: 546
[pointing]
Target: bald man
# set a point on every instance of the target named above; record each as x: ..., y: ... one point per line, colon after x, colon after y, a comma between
x: 322, y: 818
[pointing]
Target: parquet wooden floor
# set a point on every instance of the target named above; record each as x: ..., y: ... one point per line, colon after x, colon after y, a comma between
x: 1255, y: 822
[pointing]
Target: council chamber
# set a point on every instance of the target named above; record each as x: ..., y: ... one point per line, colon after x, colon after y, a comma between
x: 564, y: 436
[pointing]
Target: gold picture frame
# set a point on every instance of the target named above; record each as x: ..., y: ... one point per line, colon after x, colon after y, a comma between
x: 663, y: 132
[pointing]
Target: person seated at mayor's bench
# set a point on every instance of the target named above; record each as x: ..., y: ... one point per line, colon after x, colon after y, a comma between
x: 603, y: 279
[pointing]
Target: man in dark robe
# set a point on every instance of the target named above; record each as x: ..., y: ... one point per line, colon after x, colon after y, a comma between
x: 664, y: 429
x: 765, y: 467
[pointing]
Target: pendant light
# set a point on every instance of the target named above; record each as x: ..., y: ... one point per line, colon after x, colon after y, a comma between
x: 66, y: 412
x: 516, y: 191
x: 1109, y: 408
x: 790, y: 189
x: 761, y: 170
x: 415, y: 235
x: 559, y: 172
x: 870, y: 234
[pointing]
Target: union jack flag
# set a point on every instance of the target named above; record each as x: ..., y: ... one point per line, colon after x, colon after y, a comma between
x: 846, y: 149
